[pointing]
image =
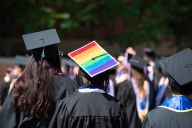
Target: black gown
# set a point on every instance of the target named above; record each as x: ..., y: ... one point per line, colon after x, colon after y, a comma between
x: 4, y: 88
x: 10, y: 119
x: 167, y: 117
x: 127, y: 96
x: 153, y: 87
x: 89, y: 110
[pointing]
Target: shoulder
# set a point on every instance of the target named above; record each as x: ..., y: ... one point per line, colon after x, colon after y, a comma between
x: 61, y: 80
x: 81, y: 104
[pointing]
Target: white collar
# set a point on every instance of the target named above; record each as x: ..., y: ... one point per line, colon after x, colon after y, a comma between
x: 86, y: 90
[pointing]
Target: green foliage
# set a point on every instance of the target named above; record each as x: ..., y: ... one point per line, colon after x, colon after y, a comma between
x: 144, y: 21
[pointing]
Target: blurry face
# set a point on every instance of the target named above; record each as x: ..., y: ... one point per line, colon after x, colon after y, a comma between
x: 145, y: 58
x: 75, y: 70
x: 18, y: 71
x: 120, y: 59
x: 64, y: 71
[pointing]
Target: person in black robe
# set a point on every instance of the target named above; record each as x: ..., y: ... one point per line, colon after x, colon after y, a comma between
x: 4, y: 88
x: 90, y: 106
x: 34, y: 96
x: 163, y: 92
x: 127, y: 96
x: 20, y: 61
x: 176, y: 112
x: 152, y: 73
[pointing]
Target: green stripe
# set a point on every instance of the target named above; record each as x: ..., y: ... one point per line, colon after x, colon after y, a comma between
x: 90, y: 62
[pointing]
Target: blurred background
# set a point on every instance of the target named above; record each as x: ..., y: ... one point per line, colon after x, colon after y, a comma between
x: 164, y: 25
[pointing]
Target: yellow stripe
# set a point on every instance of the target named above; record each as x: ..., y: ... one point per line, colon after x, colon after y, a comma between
x: 88, y: 55
x: 174, y: 109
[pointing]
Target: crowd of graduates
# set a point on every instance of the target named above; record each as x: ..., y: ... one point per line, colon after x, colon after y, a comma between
x: 47, y: 90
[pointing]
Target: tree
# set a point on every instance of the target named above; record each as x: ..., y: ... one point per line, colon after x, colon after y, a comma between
x: 144, y: 21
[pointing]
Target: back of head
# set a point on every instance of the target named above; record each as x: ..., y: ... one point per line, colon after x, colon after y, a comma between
x: 179, y: 69
x: 102, y: 79
x: 33, y: 89
x: 149, y: 54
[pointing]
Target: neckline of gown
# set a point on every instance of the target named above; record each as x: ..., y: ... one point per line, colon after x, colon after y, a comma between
x: 178, y: 104
x: 91, y: 89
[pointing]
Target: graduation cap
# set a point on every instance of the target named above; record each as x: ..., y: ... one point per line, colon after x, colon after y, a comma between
x: 93, y: 59
x: 138, y: 63
x: 42, y: 43
x: 68, y: 62
x: 179, y: 67
x: 21, y: 60
x: 149, y: 52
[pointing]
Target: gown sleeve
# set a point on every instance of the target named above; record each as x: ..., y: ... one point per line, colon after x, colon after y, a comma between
x: 3, y: 92
x: 8, y: 118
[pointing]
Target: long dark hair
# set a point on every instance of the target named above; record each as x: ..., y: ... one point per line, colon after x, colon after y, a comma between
x: 101, y: 79
x: 34, y: 88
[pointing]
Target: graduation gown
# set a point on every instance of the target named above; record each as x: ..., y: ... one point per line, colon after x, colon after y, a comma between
x: 154, y: 86
x: 4, y: 88
x: 176, y: 112
x: 127, y: 96
x: 89, y: 110
x: 163, y: 91
x: 9, y: 119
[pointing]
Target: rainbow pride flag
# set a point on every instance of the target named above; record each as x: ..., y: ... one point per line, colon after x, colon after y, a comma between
x: 93, y: 59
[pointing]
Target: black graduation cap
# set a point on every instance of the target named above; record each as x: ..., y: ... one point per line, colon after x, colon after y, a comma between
x: 138, y: 63
x: 149, y: 52
x: 21, y: 60
x: 68, y: 62
x: 179, y: 67
x: 43, y: 40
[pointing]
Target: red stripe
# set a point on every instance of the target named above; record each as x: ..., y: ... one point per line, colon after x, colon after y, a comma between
x: 82, y: 49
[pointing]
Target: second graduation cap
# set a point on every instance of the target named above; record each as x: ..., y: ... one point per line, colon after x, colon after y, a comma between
x: 42, y: 44
x: 41, y: 39
x: 179, y: 67
x: 21, y: 60
x: 93, y: 59
x: 138, y: 63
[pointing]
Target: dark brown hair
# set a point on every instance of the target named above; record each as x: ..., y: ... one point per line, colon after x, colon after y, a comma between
x: 101, y: 80
x: 180, y: 90
x: 34, y: 88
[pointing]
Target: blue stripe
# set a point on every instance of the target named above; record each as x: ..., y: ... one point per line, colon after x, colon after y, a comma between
x: 98, y: 63
x: 178, y: 103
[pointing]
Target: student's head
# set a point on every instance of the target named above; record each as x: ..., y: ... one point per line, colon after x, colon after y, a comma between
x: 34, y: 88
x: 139, y: 77
x: 94, y: 62
x: 102, y: 79
x: 149, y: 54
x: 19, y: 69
x: 21, y: 62
x: 121, y: 59
x: 181, y: 90
x: 179, y: 68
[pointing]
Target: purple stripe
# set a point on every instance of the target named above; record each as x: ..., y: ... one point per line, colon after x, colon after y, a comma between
x: 103, y: 67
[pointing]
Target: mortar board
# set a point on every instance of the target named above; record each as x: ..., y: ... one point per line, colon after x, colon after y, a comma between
x: 179, y: 67
x: 149, y: 52
x: 93, y: 59
x: 138, y: 63
x: 42, y: 44
x: 67, y: 62
x: 21, y: 60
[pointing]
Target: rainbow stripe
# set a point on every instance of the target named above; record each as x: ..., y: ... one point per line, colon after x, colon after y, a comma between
x: 93, y: 59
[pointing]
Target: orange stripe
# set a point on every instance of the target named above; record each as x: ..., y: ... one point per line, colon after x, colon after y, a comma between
x: 88, y: 55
